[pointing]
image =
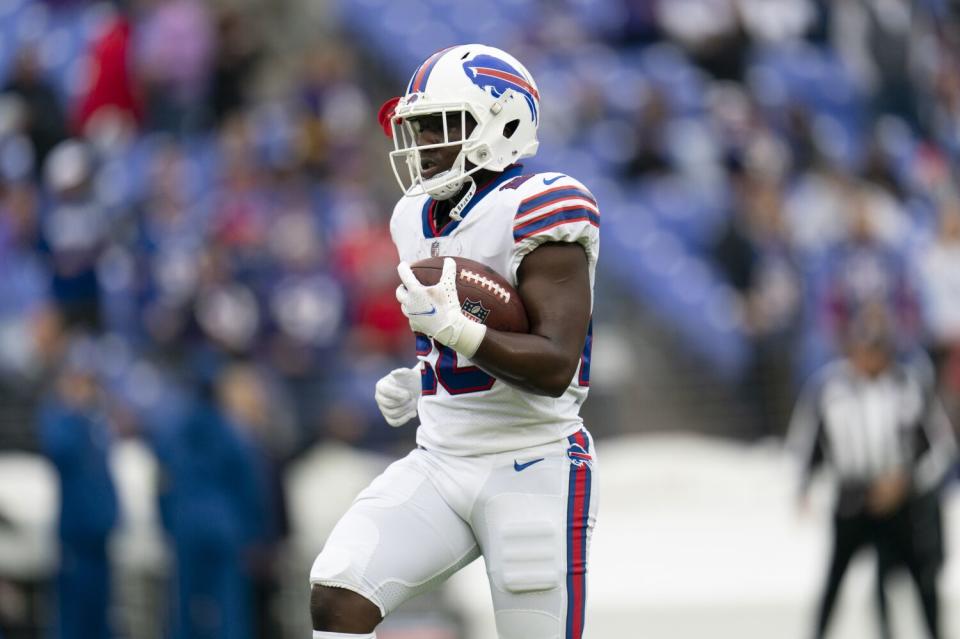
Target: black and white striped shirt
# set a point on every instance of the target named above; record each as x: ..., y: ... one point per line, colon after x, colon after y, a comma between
x: 865, y: 428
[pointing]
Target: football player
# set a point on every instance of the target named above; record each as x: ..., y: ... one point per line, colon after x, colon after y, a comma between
x: 504, y: 467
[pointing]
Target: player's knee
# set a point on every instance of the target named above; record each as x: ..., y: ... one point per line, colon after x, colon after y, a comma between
x: 531, y: 552
x: 340, y: 610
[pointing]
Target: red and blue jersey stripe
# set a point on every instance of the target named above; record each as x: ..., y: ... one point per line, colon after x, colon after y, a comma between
x: 556, y: 217
x: 564, y: 204
x: 578, y: 524
x: 552, y: 196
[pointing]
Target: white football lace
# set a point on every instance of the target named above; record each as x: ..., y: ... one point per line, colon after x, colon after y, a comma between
x: 486, y: 283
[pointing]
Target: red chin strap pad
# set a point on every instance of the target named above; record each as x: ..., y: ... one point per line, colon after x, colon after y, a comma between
x: 385, y: 115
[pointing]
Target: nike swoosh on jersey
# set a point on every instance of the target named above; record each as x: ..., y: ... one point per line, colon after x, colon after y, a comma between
x: 517, y: 466
x: 432, y: 311
x: 551, y: 180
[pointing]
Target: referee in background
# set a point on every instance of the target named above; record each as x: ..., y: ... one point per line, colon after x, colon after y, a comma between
x: 876, y: 422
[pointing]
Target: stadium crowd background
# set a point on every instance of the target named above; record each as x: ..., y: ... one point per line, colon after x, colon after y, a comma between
x: 194, y: 198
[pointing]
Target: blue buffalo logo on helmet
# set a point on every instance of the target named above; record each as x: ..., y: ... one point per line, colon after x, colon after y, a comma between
x: 475, y: 310
x: 489, y: 72
x: 579, y: 456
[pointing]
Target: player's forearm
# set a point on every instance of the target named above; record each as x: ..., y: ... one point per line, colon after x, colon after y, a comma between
x: 530, y: 362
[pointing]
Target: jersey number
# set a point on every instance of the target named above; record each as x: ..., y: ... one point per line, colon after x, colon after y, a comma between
x: 456, y: 380
x: 460, y: 380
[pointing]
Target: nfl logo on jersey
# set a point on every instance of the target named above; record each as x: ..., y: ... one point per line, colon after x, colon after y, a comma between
x: 475, y: 310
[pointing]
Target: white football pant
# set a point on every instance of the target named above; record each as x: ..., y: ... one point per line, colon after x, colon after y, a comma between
x: 529, y: 512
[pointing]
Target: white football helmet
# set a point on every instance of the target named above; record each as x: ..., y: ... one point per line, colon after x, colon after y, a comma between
x: 488, y: 84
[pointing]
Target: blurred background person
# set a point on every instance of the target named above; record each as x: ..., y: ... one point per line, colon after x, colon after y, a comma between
x: 75, y: 435
x: 213, y: 502
x: 46, y: 122
x: 112, y: 95
x: 174, y: 49
x: 756, y: 253
x: 74, y: 231
x: 245, y: 399
x: 938, y: 263
x: 879, y: 426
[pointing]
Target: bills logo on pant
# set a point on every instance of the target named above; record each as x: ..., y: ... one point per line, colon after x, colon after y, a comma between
x: 578, y: 456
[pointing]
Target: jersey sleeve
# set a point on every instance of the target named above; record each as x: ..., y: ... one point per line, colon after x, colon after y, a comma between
x: 555, y: 208
x: 396, y: 223
x: 405, y: 227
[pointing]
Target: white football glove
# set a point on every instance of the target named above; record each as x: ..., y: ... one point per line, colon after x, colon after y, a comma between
x: 435, y: 310
x: 397, y: 394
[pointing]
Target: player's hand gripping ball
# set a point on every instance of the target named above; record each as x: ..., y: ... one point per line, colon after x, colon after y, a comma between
x: 454, y: 299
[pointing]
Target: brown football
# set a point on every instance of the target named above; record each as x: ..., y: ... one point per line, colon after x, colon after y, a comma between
x: 485, y: 296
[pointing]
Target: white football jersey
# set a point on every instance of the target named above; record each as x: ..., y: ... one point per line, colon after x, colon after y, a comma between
x: 464, y: 411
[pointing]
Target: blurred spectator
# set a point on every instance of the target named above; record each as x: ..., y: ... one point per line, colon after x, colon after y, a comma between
x: 25, y: 286
x: 76, y: 437
x: 806, y: 152
x: 174, y: 47
x: 45, y: 126
x: 169, y: 244
x: 879, y: 164
x: 240, y: 215
x: 337, y: 112
x: 942, y: 107
x: 778, y: 20
x: 864, y: 268
x: 890, y: 41
x: 711, y: 30
x: 225, y: 308
x: 939, y: 266
x: 113, y: 99
x: 305, y: 311
x: 756, y: 255
x: 306, y: 303
x: 816, y: 209
x: 639, y: 24
x: 878, y: 423
x: 74, y: 233
x: 17, y: 154
x: 237, y: 52
x: 650, y: 150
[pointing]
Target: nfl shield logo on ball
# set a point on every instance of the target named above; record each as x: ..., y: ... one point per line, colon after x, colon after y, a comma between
x: 475, y: 310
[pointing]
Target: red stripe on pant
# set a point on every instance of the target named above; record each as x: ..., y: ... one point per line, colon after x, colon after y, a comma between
x: 578, y: 515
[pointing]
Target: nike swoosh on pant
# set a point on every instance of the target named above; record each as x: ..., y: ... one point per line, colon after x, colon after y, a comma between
x: 517, y: 466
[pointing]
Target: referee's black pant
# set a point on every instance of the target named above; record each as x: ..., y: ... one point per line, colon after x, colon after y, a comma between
x: 910, y: 537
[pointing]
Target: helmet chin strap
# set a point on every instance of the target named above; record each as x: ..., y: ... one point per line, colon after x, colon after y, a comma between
x: 455, y: 212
